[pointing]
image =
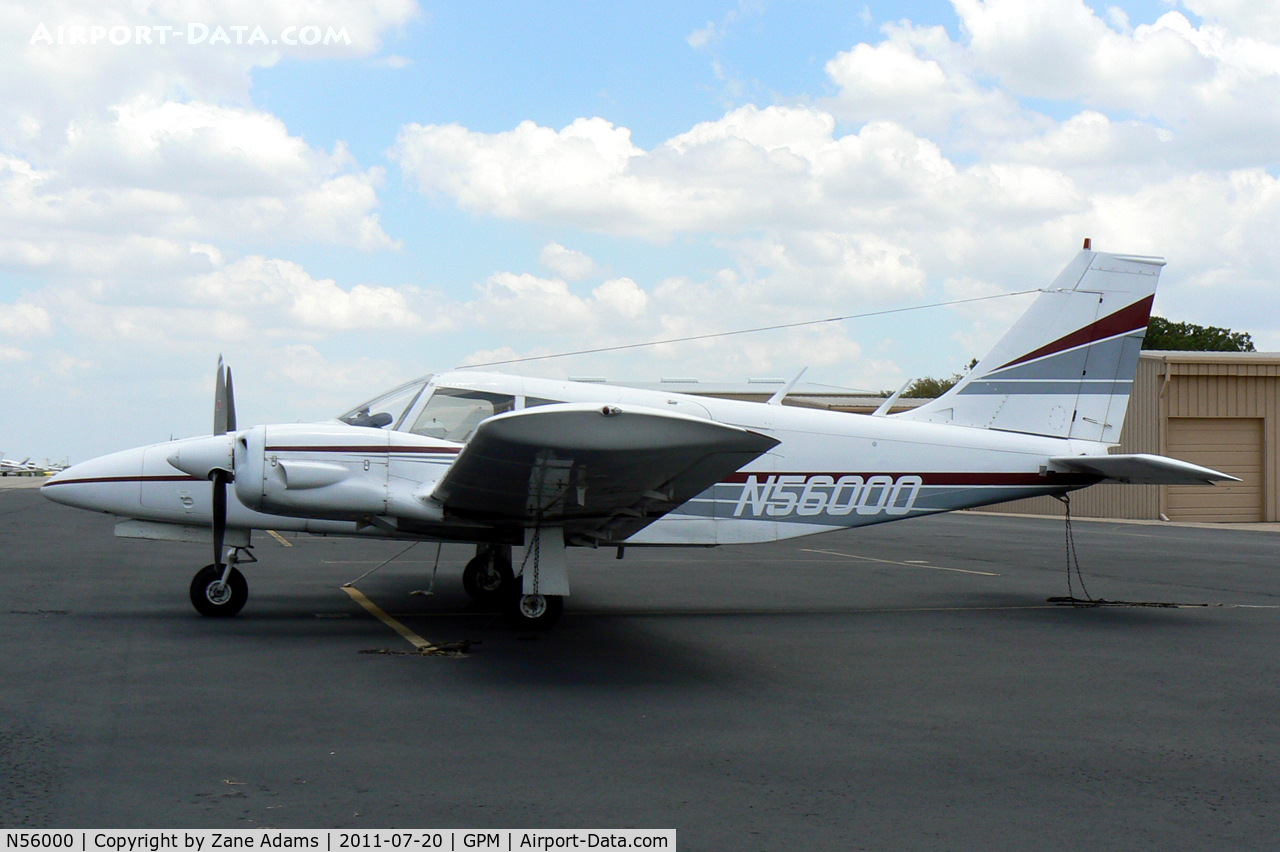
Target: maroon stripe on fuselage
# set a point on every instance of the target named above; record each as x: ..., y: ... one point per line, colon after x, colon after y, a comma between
x: 740, y: 477
x: 1128, y: 319
x: 183, y: 478
x: 450, y: 451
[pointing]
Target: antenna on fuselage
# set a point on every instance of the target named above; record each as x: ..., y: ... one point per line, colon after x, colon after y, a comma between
x: 778, y: 397
x: 883, y: 410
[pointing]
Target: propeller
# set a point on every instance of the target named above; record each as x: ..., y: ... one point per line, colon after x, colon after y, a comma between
x: 224, y: 402
x: 224, y: 421
x: 214, y: 458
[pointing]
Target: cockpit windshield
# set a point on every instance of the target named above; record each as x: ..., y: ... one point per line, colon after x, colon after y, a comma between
x: 389, y: 409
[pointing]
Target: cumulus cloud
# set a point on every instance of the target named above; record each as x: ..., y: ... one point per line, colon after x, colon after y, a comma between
x: 257, y: 283
x: 1062, y: 49
x: 22, y: 319
x: 932, y: 161
x: 47, y: 85
x: 529, y: 306
x: 159, y: 191
x: 524, y: 302
x: 754, y: 167
x: 703, y: 36
x: 1193, y: 89
x: 1201, y: 84
x: 1261, y: 20
x: 938, y: 164
x: 139, y: 184
x: 13, y: 353
x: 622, y: 296
x: 569, y: 264
x: 131, y: 154
x: 177, y: 172
x: 253, y: 299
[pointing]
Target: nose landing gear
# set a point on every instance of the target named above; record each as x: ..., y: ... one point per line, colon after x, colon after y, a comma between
x: 221, y: 591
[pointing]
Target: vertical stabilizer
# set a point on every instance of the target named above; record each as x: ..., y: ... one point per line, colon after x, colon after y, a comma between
x: 1066, y: 367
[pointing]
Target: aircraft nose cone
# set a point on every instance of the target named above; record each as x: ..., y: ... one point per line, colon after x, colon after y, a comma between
x: 104, y: 484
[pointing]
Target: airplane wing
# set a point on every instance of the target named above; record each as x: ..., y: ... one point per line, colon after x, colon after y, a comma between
x: 1140, y: 469
x: 600, y: 471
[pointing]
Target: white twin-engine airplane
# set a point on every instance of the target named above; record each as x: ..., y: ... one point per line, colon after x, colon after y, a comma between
x: 524, y: 467
x: 19, y: 468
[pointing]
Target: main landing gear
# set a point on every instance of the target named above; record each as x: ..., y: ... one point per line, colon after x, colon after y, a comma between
x: 489, y: 581
x: 220, y: 591
x: 487, y: 578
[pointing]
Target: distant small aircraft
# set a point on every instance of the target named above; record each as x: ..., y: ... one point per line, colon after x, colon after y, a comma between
x: 524, y: 467
x: 9, y: 467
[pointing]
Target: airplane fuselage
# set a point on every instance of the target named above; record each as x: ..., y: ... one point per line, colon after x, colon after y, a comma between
x: 830, y: 470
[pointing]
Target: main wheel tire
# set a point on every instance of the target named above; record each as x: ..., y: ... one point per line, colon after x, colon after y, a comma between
x: 487, y: 579
x: 212, y: 598
x: 534, y: 612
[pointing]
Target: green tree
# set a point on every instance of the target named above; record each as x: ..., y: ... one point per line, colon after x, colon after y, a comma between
x: 927, y: 387
x: 1189, y: 337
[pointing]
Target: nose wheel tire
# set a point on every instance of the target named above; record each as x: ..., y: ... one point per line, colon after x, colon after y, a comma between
x: 487, y: 579
x: 534, y: 612
x: 212, y: 597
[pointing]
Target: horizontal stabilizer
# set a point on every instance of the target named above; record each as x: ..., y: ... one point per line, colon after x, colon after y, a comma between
x: 1140, y: 469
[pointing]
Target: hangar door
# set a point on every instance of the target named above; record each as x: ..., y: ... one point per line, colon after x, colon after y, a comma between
x: 1230, y: 444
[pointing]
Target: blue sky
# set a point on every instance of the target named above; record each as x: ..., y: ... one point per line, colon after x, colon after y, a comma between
x: 463, y: 182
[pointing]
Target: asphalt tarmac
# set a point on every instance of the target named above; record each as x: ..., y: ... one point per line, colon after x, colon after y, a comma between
x: 900, y: 687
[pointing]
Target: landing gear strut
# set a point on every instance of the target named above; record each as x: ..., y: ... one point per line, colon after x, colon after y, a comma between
x: 487, y: 578
x: 220, y: 591
x: 538, y: 600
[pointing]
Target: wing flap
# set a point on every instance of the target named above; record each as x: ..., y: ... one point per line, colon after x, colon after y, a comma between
x: 1141, y: 469
x: 591, y: 468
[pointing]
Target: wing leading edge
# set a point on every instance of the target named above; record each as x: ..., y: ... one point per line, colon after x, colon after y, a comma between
x: 600, y: 471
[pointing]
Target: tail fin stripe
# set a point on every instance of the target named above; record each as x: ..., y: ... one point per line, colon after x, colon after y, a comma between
x: 1125, y: 320
x: 983, y: 387
x: 1070, y: 364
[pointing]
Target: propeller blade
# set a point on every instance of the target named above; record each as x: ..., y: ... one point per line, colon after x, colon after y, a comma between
x: 230, y: 404
x: 220, y: 401
x: 219, y: 515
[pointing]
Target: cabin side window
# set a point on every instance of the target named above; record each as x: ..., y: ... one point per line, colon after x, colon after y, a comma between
x: 453, y: 414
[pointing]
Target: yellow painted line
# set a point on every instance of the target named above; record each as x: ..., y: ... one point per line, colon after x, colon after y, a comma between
x: 280, y: 538
x: 907, y: 564
x: 373, y: 609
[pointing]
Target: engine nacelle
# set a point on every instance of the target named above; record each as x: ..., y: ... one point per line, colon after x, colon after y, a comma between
x: 339, y: 472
